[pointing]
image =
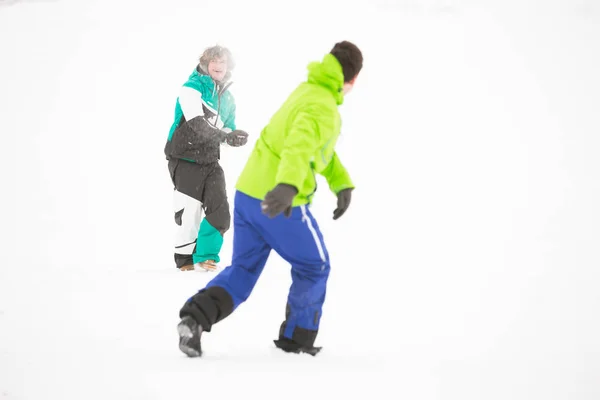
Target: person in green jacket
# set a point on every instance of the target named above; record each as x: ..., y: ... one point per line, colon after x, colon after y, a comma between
x: 271, y: 210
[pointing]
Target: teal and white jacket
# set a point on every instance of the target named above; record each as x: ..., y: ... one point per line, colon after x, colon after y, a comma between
x: 203, y: 109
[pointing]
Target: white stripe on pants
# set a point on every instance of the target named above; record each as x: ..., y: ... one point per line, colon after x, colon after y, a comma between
x: 186, y: 233
x: 313, y: 232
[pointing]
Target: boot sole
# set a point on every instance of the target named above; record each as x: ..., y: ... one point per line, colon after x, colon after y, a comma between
x: 185, y: 335
x: 285, y: 346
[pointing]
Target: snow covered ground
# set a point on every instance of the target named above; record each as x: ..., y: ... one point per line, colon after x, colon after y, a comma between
x: 466, y: 268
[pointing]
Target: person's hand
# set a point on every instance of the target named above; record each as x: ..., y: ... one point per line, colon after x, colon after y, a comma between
x: 343, y: 202
x: 279, y: 200
x: 236, y: 138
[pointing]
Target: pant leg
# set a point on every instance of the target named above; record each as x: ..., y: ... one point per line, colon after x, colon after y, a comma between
x: 217, y: 217
x: 299, y: 241
x: 233, y: 285
x: 188, y: 214
x: 188, y: 181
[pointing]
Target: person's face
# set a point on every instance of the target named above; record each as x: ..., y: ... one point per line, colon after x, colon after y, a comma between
x: 217, y: 68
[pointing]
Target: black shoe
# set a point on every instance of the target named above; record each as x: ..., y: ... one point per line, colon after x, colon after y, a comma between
x: 289, y: 346
x: 189, y: 337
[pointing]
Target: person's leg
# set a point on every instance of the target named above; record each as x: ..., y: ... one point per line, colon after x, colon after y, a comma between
x: 216, y: 222
x: 232, y: 286
x: 299, y: 241
x: 187, y: 208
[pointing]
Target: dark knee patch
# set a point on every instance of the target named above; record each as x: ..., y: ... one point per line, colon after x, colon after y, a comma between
x: 220, y: 219
x: 208, y: 306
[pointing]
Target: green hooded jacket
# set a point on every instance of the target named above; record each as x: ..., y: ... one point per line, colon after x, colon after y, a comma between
x: 299, y: 139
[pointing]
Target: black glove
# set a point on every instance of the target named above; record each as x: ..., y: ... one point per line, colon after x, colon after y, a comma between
x: 236, y: 138
x: 343, y: 202
x: 279, y: 200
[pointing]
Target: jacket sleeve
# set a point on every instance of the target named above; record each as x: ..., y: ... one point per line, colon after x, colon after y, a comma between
x: 300, y: 144
x: 190, y: 101
x: 336, y: 175
x: 229, y: 124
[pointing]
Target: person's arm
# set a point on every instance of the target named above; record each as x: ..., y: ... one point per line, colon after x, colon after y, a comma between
x: 301, y: 143
x: 229, y: 123
x: 190, y: 101
x: 336, y: 175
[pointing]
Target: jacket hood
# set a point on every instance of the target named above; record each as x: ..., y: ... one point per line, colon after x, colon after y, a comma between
x: 328, y: 73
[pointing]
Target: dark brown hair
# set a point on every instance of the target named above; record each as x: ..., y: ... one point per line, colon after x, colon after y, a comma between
x: 350, y: 57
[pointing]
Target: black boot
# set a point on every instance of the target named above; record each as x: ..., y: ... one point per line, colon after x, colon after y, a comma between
x: 289, y: 346
x: 302, y: 340
x: 189, y: 337
x: 199, y: 314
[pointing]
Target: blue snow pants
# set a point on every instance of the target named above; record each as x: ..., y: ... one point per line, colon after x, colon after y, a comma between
x: 297, y: 240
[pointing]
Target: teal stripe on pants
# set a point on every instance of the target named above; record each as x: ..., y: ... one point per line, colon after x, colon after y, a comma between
x: 209, y: 243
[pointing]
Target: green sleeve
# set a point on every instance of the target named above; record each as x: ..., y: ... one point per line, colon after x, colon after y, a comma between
x: 336, y: 175
x: 230, y: 121
x: 298, y: 149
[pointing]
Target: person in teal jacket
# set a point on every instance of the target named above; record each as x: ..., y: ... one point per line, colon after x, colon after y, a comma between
x: 204, y: 120
x: 271, y: 208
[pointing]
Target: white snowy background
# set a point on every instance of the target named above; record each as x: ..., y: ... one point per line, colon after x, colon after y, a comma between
x: 468, y: 266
